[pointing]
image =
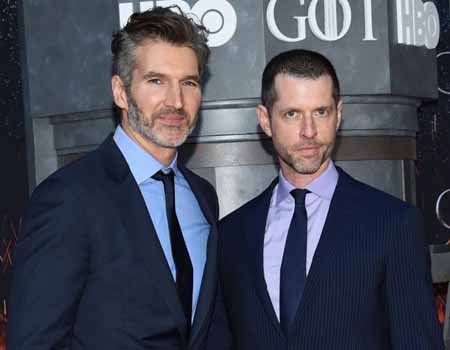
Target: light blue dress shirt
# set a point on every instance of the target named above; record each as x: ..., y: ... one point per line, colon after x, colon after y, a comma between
x: 194, y: 226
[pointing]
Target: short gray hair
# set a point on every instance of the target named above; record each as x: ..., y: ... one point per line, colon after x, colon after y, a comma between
x: 169, y: 25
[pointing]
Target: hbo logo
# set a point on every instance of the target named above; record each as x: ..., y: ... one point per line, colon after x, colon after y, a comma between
x: 417, y: 23
x: 218, y: 16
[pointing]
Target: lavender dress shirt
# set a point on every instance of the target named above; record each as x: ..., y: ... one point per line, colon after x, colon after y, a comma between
x: 279, y: 217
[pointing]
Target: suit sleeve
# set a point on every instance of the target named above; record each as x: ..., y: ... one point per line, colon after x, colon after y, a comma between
x: 408, y: 288
x: 49, y: 271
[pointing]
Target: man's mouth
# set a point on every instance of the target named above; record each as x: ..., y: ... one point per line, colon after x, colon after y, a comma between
x: 172, y: 118
x: 308, y: 150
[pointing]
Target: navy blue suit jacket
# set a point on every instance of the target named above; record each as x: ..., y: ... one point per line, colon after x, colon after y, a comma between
x: 89, y: 271
x: 369, y: 286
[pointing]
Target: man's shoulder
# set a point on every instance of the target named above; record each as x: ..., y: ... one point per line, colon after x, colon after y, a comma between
x: 365, y: 197
x: 82, y: 175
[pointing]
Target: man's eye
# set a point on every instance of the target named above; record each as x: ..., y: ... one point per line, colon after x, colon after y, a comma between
x: 154, y: 81
x: 322, y: 112
x: 191, y: 83
x: 291, y: 114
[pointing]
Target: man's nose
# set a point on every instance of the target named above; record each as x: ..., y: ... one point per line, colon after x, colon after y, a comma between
x: 174, y: 96
x: 308, y: 127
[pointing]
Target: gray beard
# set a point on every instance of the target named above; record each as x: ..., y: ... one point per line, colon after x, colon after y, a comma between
x: 145, y: 127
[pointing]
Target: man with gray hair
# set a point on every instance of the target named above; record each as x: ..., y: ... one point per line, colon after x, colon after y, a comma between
x: 118, y: 250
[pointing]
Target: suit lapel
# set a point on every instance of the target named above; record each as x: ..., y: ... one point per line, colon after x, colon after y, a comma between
x: 209, y: 279
x: 255, y: 229
x: 134, y: 215
x: 339, y: 212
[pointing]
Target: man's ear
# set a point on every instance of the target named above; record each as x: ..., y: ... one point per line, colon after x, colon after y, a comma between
x: 339, y: 114
x: 119, y: 93
x: 264, y: 119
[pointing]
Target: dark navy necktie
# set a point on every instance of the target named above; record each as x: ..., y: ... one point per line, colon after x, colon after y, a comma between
x: 293, y: 266
x: 183, y: 265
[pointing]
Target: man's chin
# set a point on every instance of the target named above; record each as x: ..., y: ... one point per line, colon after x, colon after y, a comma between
x: 171, y: 142
x: 165, y: 138
x: 306, y: 168
x: 306, y: 171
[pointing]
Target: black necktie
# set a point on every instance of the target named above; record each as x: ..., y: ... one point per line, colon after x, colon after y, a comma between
x: 293, y: 266
x: 183, y: 265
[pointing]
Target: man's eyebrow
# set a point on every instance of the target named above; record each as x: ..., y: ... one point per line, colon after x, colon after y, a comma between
x: 194, y: 77
x: 152, y: 74
x: 327, y: 107
x: 288, y: 109
x: 299, y: 108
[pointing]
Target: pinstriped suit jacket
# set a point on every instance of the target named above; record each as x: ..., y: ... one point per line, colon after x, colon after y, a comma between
x: 369, y: 286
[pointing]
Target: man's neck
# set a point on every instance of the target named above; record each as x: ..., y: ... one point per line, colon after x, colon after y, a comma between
x: 299, y: 180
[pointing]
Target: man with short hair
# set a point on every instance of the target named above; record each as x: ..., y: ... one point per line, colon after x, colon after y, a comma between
x: 320, y: 261
x: 118, y: 250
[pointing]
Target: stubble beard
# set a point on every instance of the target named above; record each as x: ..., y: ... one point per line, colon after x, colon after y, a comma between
x: 301, y: 165
x: 147, y: 128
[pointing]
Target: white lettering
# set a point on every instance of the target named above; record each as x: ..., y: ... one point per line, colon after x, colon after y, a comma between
x: 146, y: 5
x: 420, y: 26
x: 368, y: 29
x: 125, y: 11
x: 218, y: 16
x: 331, y: 32
x: 432, y: 26
x: 417, y: 23
x: 275, y: 30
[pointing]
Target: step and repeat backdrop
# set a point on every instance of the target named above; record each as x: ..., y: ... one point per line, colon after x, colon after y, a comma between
x: 433, y: 143
x: 380, y: 49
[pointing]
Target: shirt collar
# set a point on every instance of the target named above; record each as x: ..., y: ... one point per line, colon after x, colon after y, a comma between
x: 323, y: 186
x: 141, y: 163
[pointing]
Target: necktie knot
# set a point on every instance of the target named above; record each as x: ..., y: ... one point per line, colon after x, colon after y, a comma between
x: 299, y: 195
x: 162, y: 176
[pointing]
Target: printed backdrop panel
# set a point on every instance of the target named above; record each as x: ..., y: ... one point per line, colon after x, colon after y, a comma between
x: 433, y: 144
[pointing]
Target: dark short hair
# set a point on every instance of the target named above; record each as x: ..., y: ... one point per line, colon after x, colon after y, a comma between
x: 298, y: 63
x: 167, y: 24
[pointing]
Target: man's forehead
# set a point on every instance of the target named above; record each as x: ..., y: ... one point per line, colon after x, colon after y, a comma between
x: 298, y: 93
x: 290, y: 86
x: 285, y: 78
x: 162, y: 45
x: 164, y: 57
